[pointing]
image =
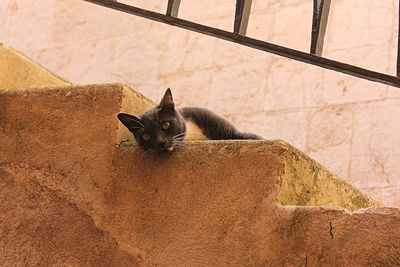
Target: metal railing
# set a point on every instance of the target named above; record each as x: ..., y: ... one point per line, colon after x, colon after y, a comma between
x: 242, y: 14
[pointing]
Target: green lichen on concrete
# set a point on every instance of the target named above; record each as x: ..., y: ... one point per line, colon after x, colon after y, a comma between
x: 307, y: 183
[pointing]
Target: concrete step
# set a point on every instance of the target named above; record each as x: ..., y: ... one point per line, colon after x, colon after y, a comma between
x: 70, y: 194
x: 18, y: 71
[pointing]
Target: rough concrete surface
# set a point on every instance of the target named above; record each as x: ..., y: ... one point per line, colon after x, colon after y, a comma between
x: 307, y: 183
x: 343, y: 122
x: 70, y: 195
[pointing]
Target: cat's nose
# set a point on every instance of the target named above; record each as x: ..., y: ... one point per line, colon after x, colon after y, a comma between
x: 161, y: 145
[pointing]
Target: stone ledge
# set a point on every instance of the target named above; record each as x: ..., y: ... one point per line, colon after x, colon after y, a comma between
x: 303, y: 182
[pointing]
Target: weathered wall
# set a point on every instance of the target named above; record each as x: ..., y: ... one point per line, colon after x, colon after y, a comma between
x: 63, y: 178
x: 345, y: 123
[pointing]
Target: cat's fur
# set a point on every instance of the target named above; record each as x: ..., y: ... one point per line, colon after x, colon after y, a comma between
x: 190, y: 123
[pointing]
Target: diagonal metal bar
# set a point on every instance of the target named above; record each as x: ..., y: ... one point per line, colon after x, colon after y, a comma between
x: 173, y: 8
x: 319, y: 22
x: 254, y: 43
x: 242, y: 15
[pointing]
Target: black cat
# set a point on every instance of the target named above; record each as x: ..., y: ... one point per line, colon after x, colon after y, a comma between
x: 162, y: 127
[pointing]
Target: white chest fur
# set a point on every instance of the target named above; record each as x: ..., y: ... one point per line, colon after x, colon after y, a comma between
x: 193, y: 132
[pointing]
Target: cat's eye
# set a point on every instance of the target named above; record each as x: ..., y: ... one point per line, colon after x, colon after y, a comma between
x: 146, y: 137
x: 165, y: 125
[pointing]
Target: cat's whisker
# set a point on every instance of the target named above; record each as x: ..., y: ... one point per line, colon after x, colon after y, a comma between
x: 183, y: 133
x: 179, y: 146
x: 158, y: 117
x: 137, y: 128
x: 177, y: 143
x: 142, y: 155
x: 146, y: 153
x: 138, y: 122
x: 179, y: 135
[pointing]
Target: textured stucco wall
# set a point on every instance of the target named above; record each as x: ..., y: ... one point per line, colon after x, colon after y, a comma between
x: 347, y: 124
x: 70, y: 197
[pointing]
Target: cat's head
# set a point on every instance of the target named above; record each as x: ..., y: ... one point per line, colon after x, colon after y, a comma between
x: 159, y: 128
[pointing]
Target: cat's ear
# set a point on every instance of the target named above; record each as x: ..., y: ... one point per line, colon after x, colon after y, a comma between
x: 167, y: 102
x: 131, y: 122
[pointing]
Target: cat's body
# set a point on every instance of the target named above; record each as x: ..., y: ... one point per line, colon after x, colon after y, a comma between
x: 162, y: 127
x: 202, y: 123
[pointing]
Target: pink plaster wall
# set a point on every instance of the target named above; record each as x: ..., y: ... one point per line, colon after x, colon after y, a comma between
x: 348, y: 124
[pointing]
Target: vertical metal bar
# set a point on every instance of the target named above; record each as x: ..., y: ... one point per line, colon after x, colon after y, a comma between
x: 242, y: 15
x: 320, y: 20
x: 173, y: 8
x: 398, y: 44
x: 314, y: 27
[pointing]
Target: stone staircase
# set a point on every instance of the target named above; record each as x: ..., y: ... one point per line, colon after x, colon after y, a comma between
x: 73, y: 194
